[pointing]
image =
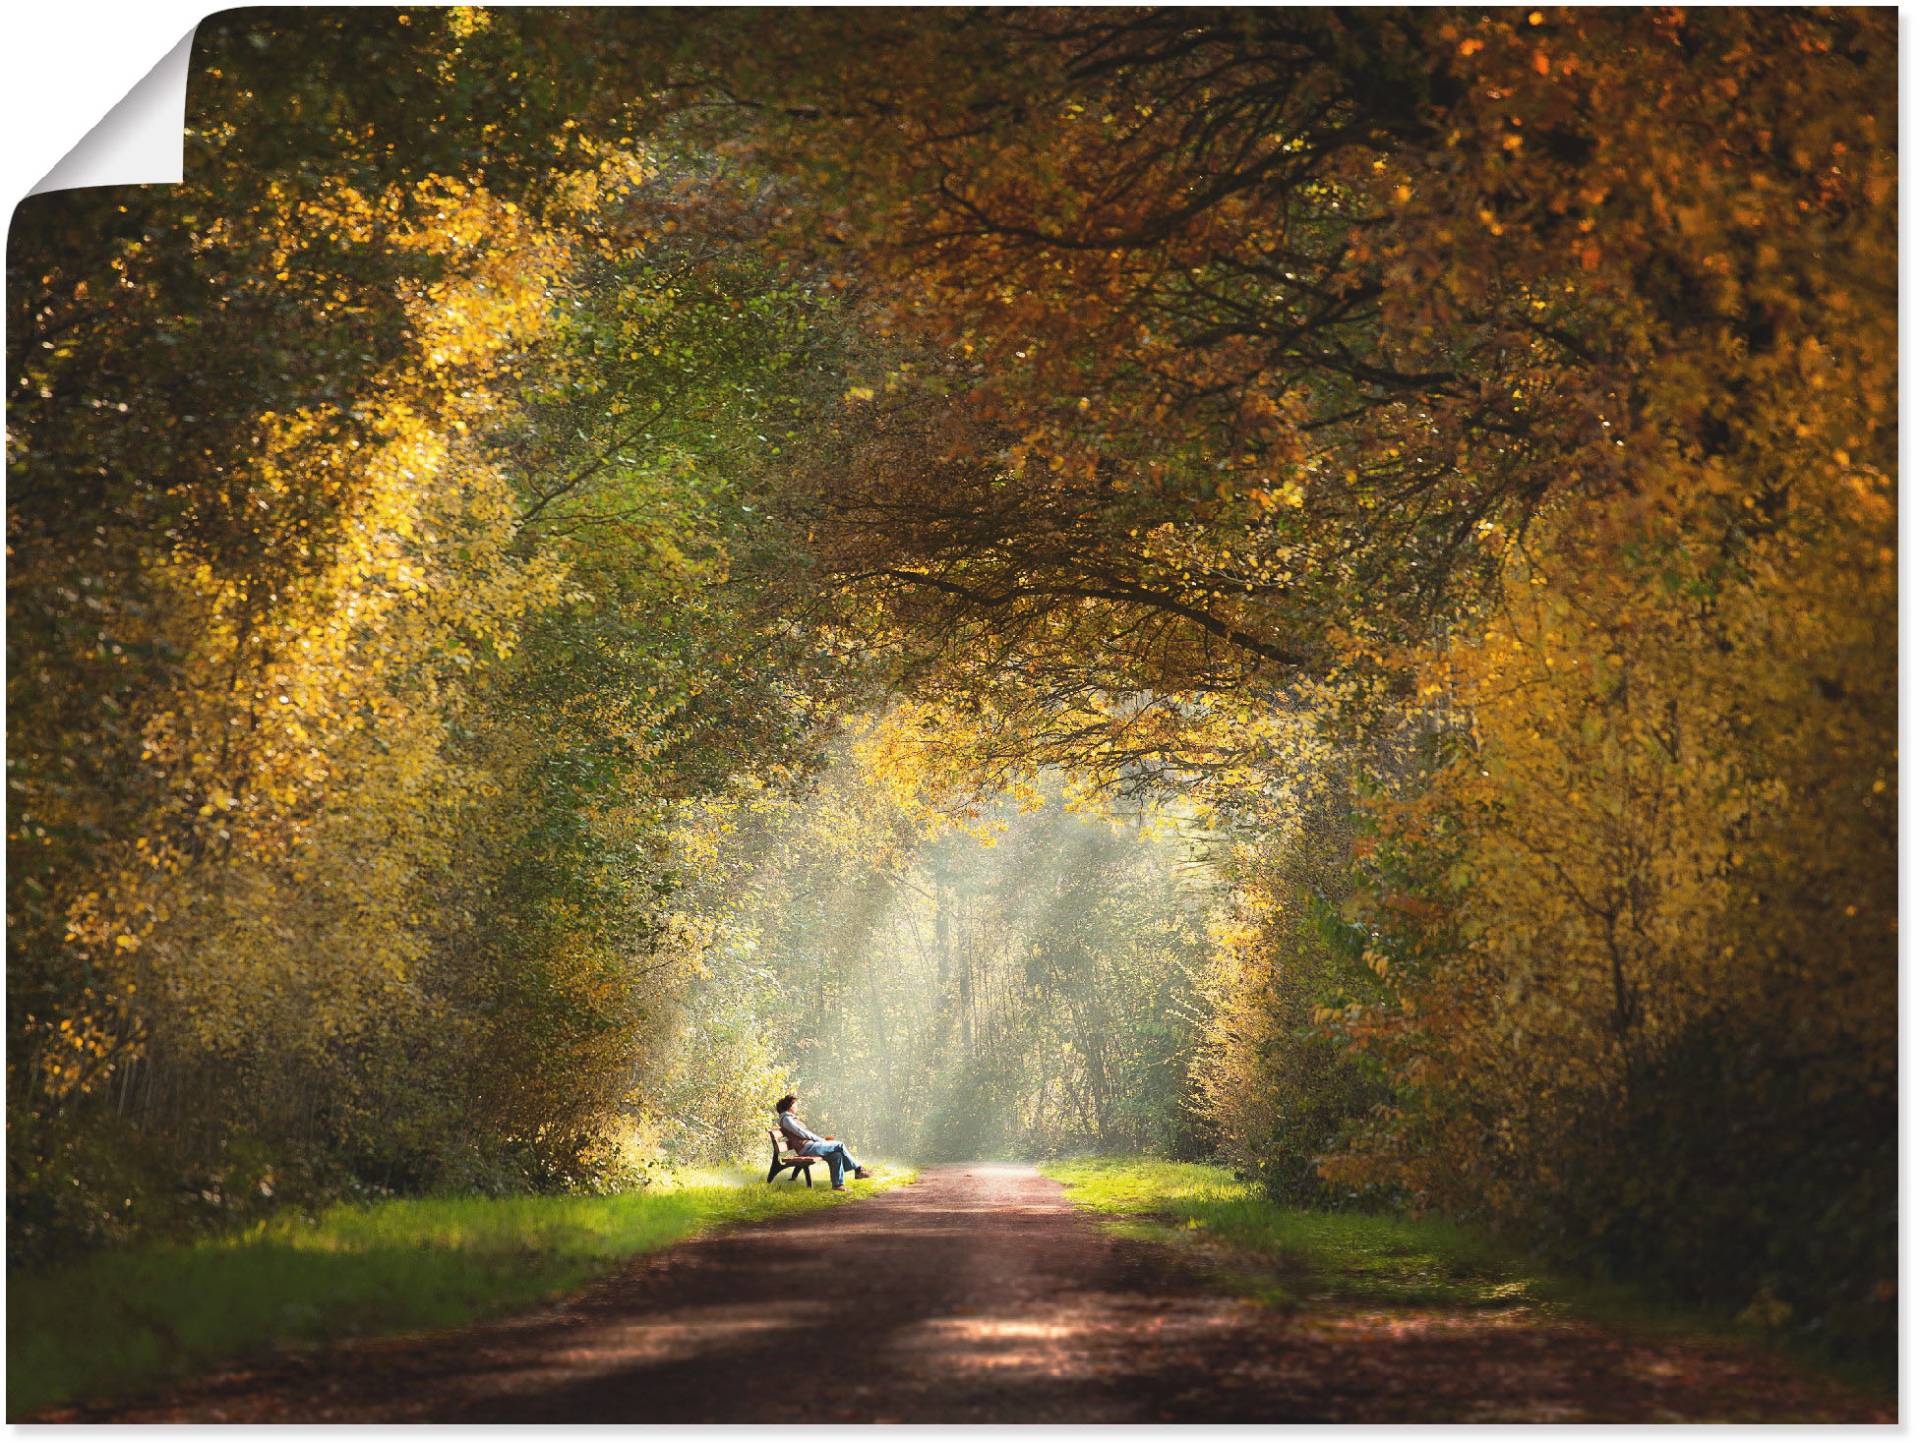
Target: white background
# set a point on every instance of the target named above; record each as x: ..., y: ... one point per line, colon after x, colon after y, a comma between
x: 65, y: 63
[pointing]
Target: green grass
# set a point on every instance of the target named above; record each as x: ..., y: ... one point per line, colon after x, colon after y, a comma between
x: 1376, y: 1258
x: 1299, y: 1257
x: 119, y: 1323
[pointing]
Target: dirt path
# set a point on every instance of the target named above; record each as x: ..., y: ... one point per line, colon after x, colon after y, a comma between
x: 980, y: 1295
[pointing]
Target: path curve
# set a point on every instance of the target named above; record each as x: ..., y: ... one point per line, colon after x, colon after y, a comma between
x: 980, y: 1295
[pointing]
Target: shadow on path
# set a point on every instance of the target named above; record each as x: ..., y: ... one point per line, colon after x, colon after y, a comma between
x: 980, y: 1295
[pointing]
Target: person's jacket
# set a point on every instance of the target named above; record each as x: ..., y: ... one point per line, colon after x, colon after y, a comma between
x: 797, y: 1132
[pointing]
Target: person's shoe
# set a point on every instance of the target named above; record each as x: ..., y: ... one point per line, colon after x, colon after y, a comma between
x: 861, y: 1172
x: 839, y: 1187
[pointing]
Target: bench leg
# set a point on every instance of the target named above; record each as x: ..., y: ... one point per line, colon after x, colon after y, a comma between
x: 808, y: 1170
x: 774, y: 1171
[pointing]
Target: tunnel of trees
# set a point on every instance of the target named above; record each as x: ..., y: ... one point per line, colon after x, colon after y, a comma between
x: 1315, y: 588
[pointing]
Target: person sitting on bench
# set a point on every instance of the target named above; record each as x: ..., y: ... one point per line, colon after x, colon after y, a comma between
x: 811, y: 1144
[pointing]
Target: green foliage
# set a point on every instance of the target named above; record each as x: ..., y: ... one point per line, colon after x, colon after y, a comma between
x: 1746, y: 1192
x: 1279, y: 1088
x: 1022, y: 983
x: 342, y: 829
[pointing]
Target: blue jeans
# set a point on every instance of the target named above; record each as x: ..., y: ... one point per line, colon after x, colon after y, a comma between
x: 839, y: 1160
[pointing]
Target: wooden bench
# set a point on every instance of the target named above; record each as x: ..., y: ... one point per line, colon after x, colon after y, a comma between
x: 799, y: 1163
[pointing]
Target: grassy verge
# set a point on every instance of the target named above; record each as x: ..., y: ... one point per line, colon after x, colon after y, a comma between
x: 1304, y: 1256
x: 1297, y: 1257
x: 120, y: 1323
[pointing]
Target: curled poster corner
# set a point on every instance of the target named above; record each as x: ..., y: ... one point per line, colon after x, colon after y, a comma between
x: 140, y: 141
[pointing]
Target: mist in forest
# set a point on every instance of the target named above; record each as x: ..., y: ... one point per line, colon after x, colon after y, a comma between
x: 1023, y: 984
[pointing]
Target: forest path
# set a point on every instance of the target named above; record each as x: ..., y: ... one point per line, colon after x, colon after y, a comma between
x: 980, y: 1295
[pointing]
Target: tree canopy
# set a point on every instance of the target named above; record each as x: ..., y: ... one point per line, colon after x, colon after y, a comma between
x: 1311, y: 585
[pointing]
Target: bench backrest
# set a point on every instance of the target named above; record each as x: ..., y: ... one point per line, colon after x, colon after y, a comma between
x: 782, y: 1147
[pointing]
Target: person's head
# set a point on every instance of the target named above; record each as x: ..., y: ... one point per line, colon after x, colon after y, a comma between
x: 786, y: 1103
